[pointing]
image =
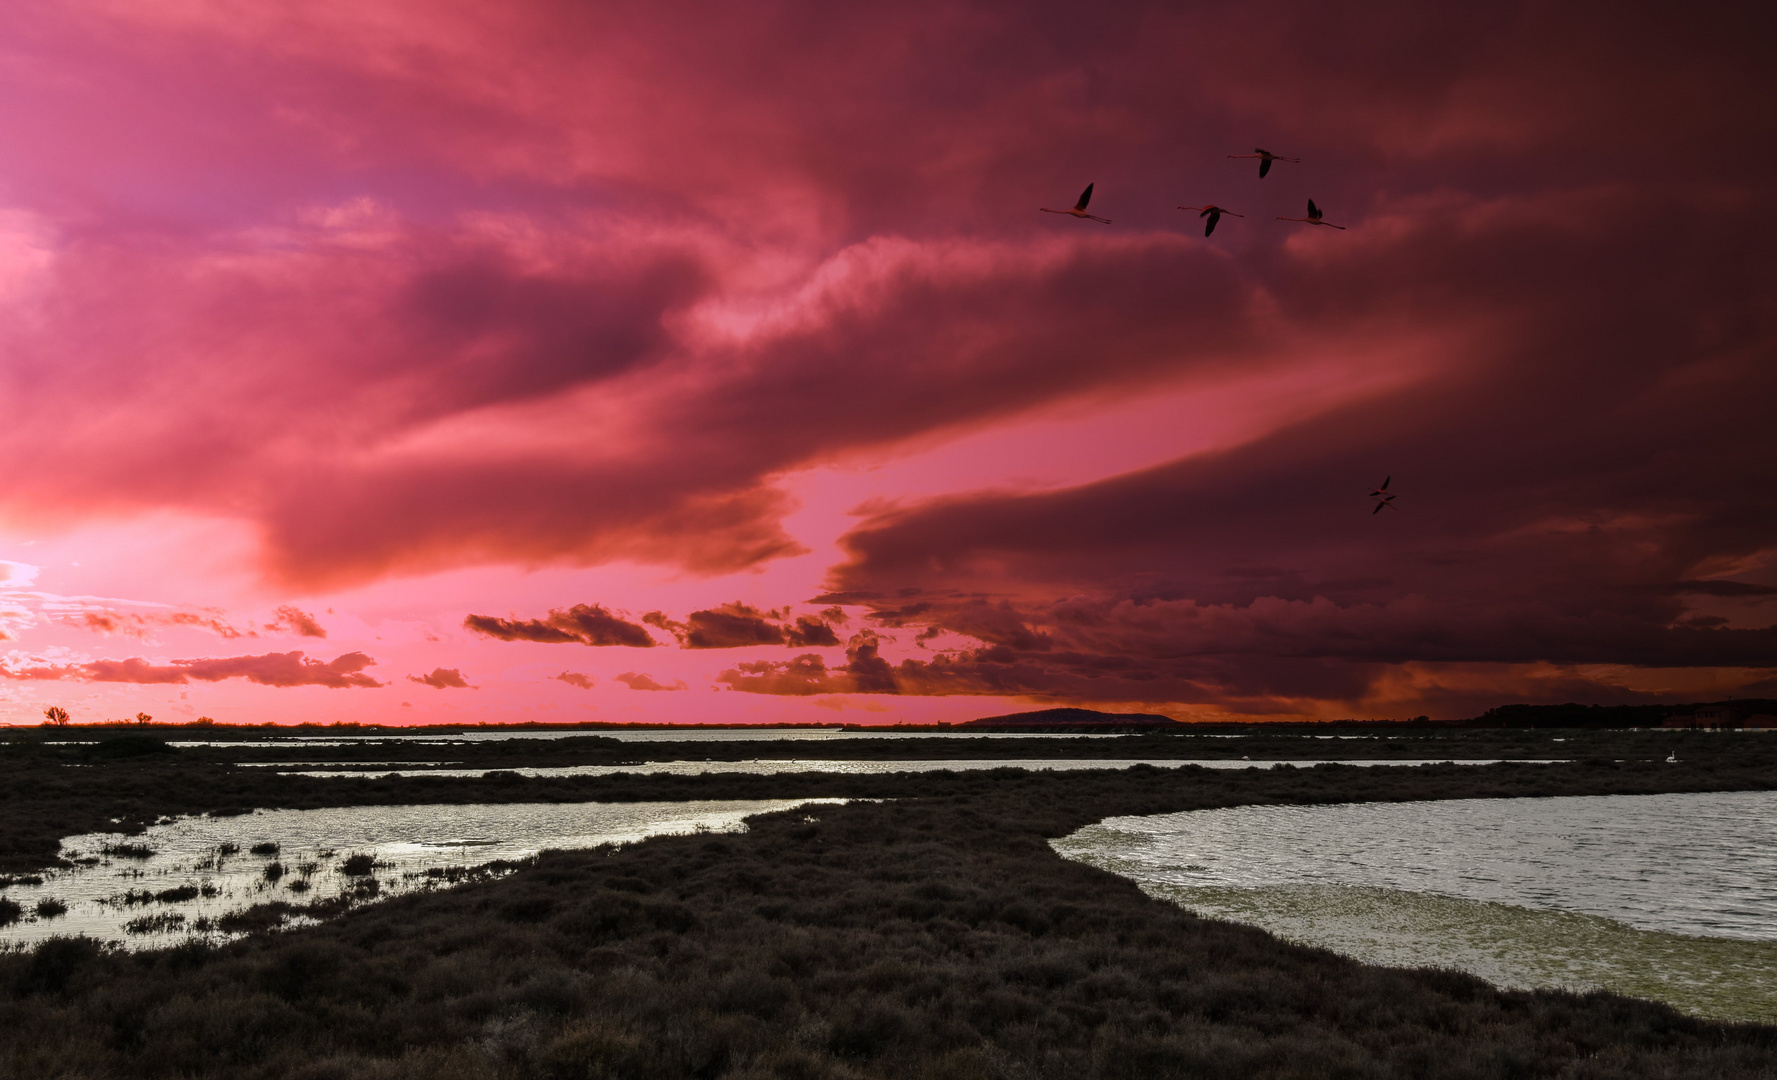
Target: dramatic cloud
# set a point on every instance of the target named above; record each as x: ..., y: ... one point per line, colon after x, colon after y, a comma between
x: 637, y: 681
x: 442, y: 679
x: 575, y: 678
x: 582, y: 623
x: 273, y: 669
x: 375, y: 289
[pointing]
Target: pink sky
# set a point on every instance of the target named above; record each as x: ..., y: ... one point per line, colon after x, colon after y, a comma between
x: 463, y: 348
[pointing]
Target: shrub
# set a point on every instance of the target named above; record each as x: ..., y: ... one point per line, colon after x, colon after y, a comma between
x: 10, y: 911
x: 49, y: 908
x: 358, y: 865
x: 268, y: 847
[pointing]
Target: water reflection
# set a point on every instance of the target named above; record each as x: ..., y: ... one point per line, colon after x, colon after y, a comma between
x: 1672, y: 897
x: 853, y: 767
x: 195, y: 875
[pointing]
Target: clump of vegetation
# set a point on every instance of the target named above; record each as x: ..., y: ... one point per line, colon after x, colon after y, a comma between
x: 50, y: 908
x: 358, y: 865
x: 127, y: 850
x: 266, y: 847
x: 274, y: 871
x: 227, y: 848
x: 10, y: 911
x: 159, y: 922
x: 19, y: 879
x: 177, y: 895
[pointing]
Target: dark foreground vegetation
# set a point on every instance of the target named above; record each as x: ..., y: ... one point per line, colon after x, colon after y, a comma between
x: 935, y: 936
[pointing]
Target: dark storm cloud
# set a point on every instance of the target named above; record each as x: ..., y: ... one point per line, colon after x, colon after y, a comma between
x: 585, y: 624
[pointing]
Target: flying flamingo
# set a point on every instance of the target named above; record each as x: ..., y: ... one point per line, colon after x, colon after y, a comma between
x: 1213, y: 213
x: 1266, y: 157
x: 1079, y: 209
x: 1384, y: 497
x: 1313, y: 217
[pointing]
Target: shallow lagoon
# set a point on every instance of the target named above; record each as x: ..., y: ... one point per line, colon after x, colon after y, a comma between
x: 772, y: 766
x: 1672, y: 897
x: 409, y: 848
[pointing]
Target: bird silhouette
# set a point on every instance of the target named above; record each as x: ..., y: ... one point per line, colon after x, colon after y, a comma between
x: 1213, y: 213
x: 1079, y: 209
x: 1384, y: 498
x: 1313, y: 217
x: 1266, y: 157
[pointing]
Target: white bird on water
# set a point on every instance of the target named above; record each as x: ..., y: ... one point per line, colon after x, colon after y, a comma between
x: 1213, y: 213
x: 1266, y: 157
x: 1313, y: 217
x: 1079, y: 209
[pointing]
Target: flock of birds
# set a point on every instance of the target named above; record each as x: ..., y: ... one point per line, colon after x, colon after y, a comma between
x: 1213, y: 213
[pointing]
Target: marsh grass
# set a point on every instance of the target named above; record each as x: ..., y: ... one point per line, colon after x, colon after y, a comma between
x: 935, y: 937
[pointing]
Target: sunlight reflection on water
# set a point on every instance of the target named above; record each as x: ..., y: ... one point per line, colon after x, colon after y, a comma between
x: 403, y: 842
x: 1672, y: 897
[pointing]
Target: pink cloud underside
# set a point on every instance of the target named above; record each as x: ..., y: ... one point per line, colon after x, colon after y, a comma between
x: 272, y: 669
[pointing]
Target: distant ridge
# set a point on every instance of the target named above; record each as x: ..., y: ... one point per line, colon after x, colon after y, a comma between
x: 1070, y: 718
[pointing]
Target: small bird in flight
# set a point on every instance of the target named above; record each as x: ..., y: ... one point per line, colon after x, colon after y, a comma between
x: 1313, y: 217
x: 1266, y: 157
x: 1384, y: 497
x: 1079, y: 209
x: 1213, y: 213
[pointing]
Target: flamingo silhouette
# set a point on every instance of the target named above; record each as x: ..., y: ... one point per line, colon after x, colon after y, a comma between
x: 1266, y: 157
x: 1213, y: 213
x: 1079, y: 209
x: 1384, y: 498
x: 1313, y: 217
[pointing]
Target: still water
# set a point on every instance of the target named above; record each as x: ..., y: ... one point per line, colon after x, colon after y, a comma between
x: 1671, y: 897
x: 184, y: 876
x: 771, y: 766
x: 645, y: 735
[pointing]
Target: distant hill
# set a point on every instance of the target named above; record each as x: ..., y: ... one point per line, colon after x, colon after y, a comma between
x: 1572, y: 715
x: 1069, y: 718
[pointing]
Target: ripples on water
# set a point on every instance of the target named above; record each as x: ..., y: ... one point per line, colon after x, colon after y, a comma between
x: 410, y: 848
x: 1672, y: 897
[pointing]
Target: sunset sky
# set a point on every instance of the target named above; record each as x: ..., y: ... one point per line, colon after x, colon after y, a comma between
x: 711, y: 362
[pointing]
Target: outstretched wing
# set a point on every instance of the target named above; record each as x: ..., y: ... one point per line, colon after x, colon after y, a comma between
x: 1211, y: 227
x: 1264, y: 166
x: 1313, y: 210
x: 1379, y: 508
x: 1384, y: 486
x: 1085, y: 197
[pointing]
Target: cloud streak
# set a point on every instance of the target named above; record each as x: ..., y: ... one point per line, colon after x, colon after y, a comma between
x: 282, y: 670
